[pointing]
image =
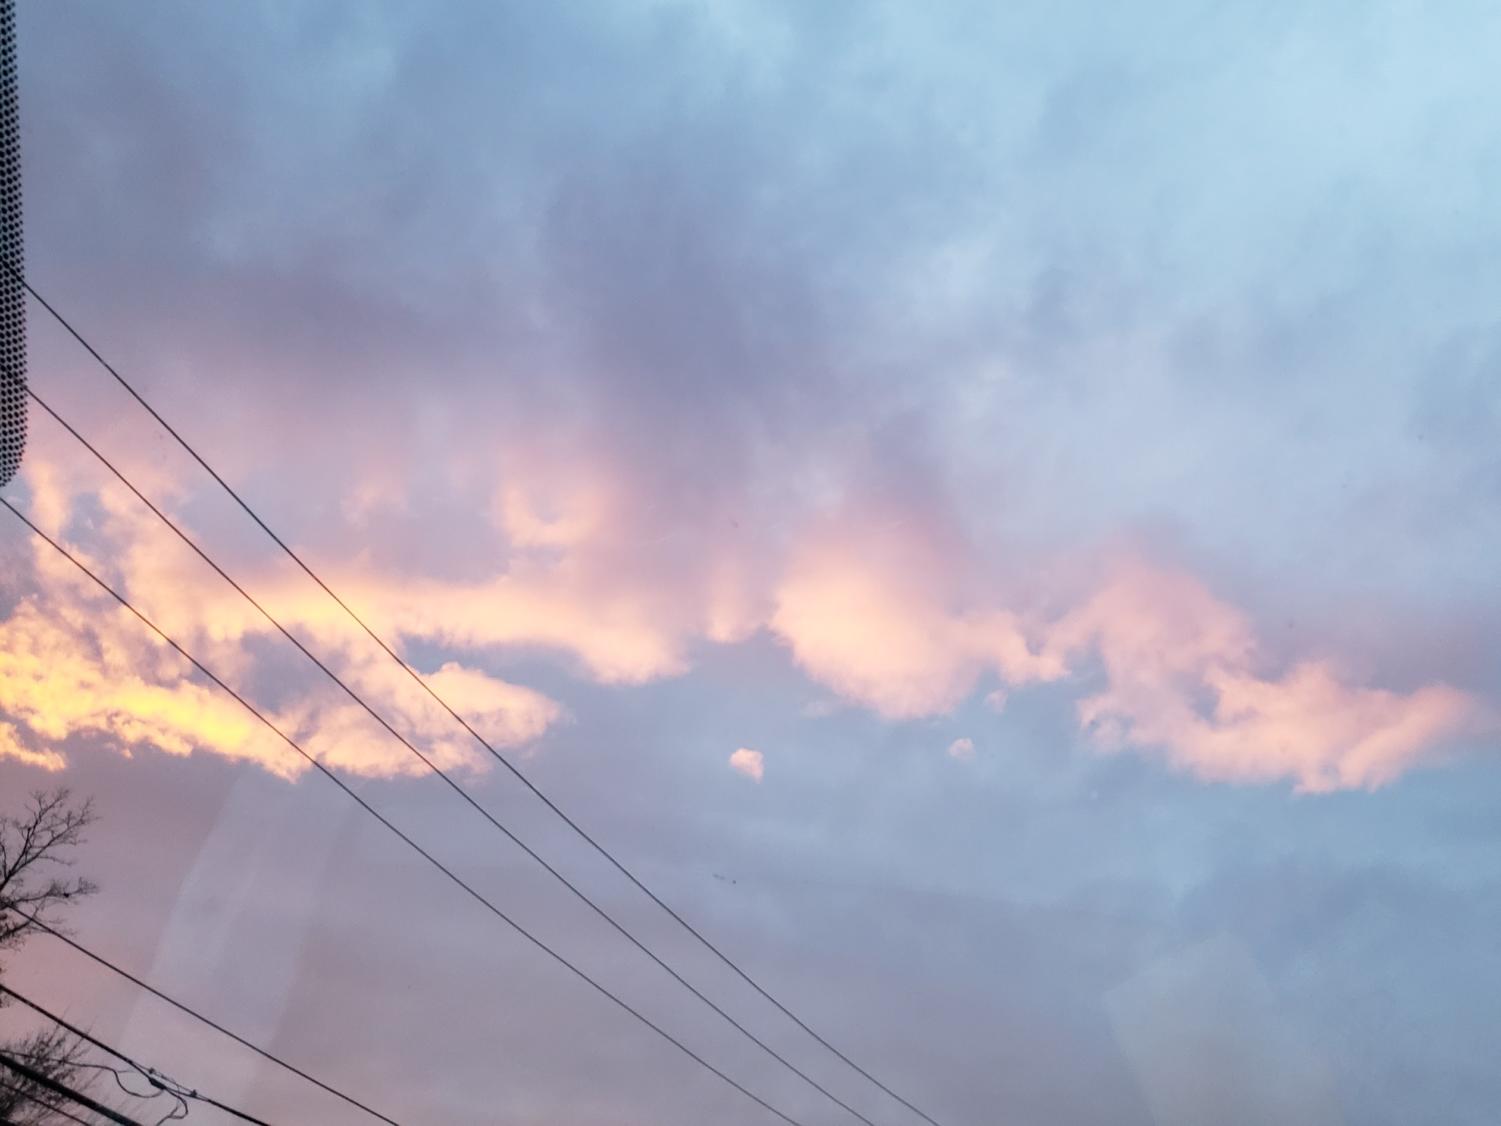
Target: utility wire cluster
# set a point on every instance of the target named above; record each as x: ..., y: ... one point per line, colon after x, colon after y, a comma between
x: 28, y: 1065
x: 159, y: 1084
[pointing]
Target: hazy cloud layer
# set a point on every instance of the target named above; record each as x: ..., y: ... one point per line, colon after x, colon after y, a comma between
x: 878, y: 619
x: 1106, y: 397
x: 815, y: 341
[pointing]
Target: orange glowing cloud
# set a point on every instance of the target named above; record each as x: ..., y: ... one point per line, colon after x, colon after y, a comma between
x: 12, y: 747
x: 72, y: 663
x: 61, y: 676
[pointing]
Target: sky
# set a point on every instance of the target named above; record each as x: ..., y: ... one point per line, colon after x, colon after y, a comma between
x: 990, y: 511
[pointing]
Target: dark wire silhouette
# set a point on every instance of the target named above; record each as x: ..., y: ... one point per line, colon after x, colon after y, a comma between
x: 459, y: 719
x: 62, y: 1090
x: 439, y: 771
x: 408, y: 841
x: 160, y: 1083
x: 118, y: 1074
x: 188, y: 1010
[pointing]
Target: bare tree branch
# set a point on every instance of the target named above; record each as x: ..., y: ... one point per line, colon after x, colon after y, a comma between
x: 34, y: 860
x: 54, y: 1054
x: 35, y: 850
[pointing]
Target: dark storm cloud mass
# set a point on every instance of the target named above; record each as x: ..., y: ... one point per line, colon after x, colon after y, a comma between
x: 836, y: 382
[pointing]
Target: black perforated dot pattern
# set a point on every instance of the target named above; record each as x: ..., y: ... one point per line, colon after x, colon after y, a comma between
x: 12, y: 294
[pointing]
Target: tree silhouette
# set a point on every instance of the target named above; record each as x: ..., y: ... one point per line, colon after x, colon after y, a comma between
x: 35, y: 883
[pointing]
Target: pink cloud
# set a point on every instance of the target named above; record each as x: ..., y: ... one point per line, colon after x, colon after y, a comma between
x: 873, y: 610
x: 1182, y: 680
x: 962, y: 749
x: 880, y: 632
x: 750, y: 763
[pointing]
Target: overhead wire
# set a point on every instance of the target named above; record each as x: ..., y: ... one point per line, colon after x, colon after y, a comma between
x: 62, y: 1090
x: 116, y: 1073
x: 162, y: 1083
x: 188, y: 1010
x: 390, y: 826
x: 514, y: 770
x: 438, y: 770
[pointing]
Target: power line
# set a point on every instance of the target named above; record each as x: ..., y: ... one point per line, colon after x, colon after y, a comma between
x: 40, y: 1079
x: 150, y: 1074
x: 459, y: 719
x: 180, y: 1110
x: 439, y: 771
x: 410, y: 843
x: 188, y: 1010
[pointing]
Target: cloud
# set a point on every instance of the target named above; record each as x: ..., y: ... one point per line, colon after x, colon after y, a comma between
x: 11, y: 747
x: 67, y: 671
x: 553, y: 335
x: 883, y: 631
x: 877, y: 612
x: 589, y: 384
x: 75, y: 664
x: 1182, y: 680
x: 1183, y: 670
x: 750, y: 763
x: 962, y: 749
